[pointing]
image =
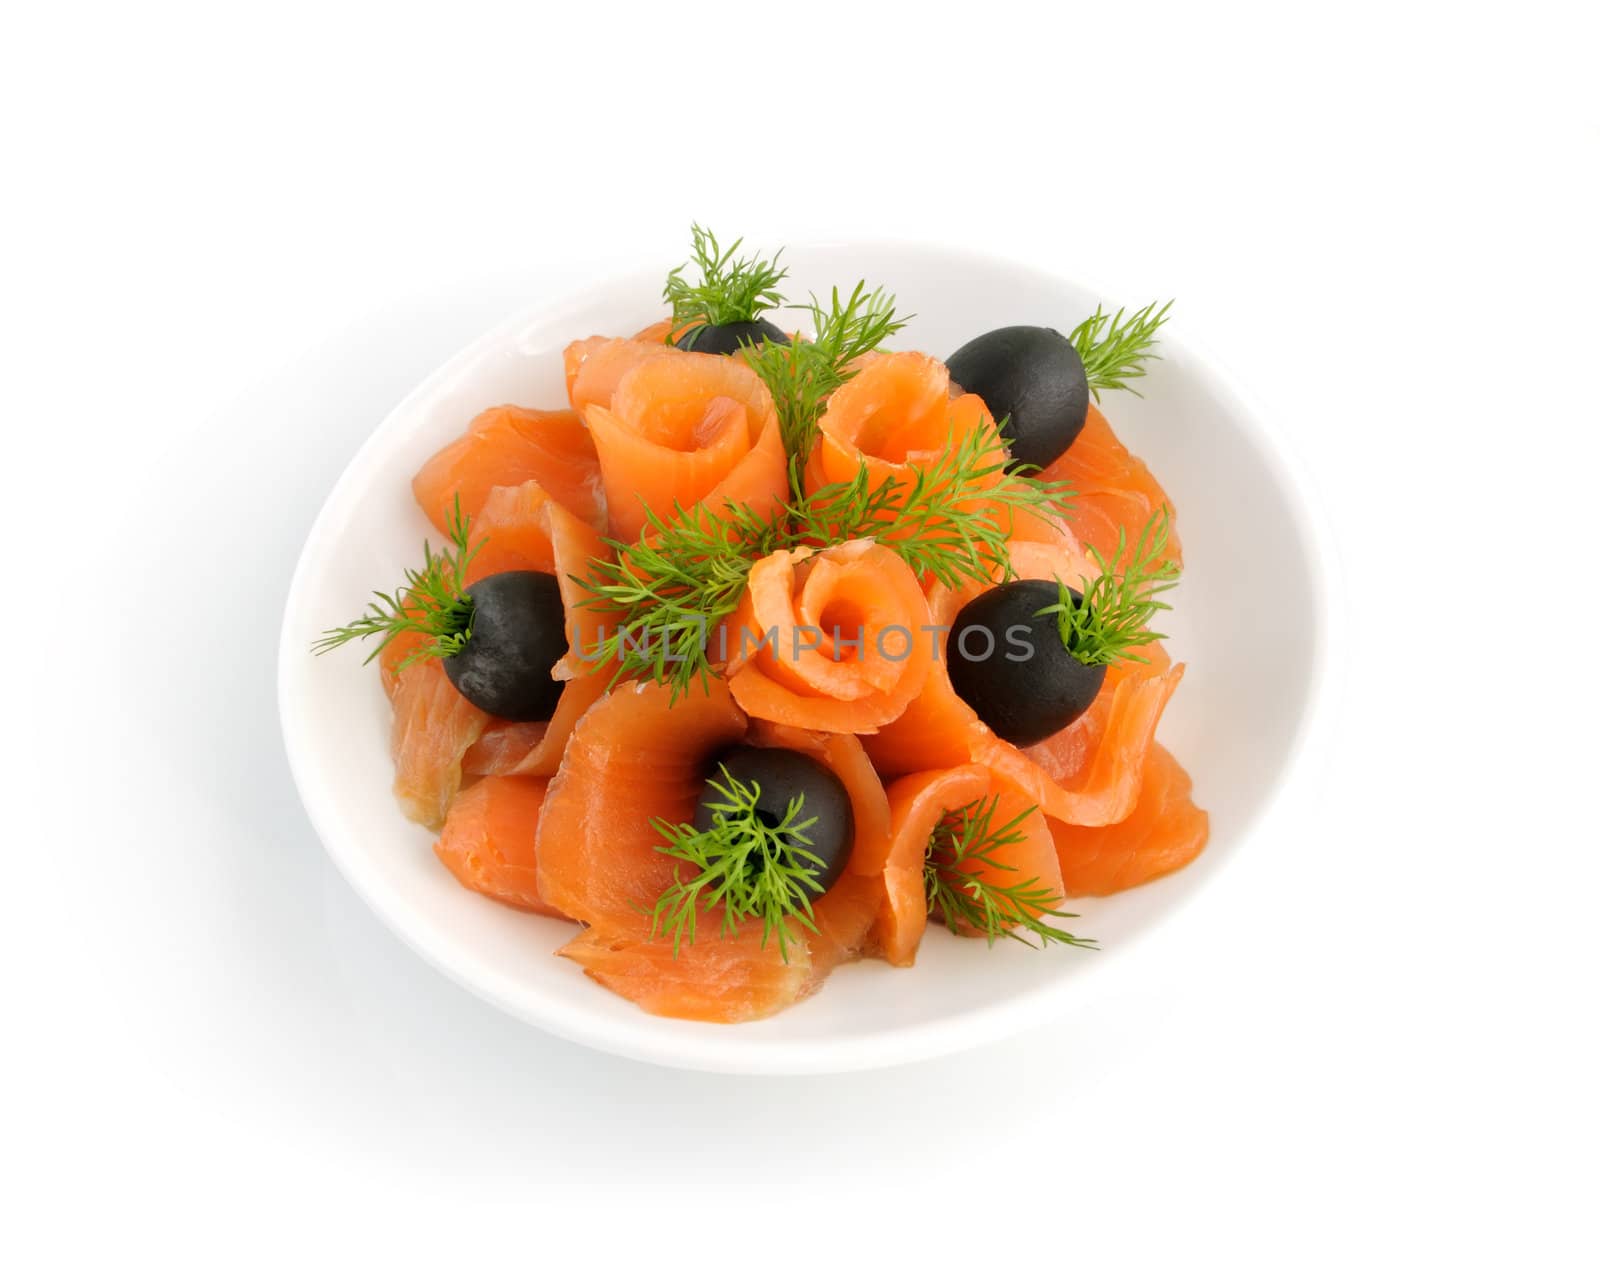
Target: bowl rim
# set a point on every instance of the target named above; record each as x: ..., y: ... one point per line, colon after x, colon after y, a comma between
x: 719, y: 1048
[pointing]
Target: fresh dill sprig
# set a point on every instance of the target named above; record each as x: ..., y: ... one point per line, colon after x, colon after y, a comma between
x: 1111, y: 616
x: 963, y: 844
x: 683, y: 576
x: 951, y: 520
x: 432, y: 602
x: 1114, y: 348
x: 744, y: 863
x: 731, y: 289
x: 802, y: 376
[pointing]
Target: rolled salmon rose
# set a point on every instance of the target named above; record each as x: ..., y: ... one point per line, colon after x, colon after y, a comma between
x: 680, y: 428
x: 896, y: 419
x: 835, y: 639
x: 893, y: 416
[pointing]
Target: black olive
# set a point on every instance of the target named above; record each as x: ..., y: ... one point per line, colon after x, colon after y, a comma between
x: 1007, y: 662
x: 518, y: 633
x: 726, y: 338
x: 783, y: 775
x: 1033, y: 381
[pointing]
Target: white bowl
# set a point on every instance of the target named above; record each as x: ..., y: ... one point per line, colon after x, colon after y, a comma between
x: 1249, y: 621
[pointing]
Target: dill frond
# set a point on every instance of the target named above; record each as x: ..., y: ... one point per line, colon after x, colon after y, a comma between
x: 432, y: 602
x: 801, y: 376
x: 742, y: 864
x: 951, y: 520
x: 962, y: 846
x: 731, y: 289
x: 671, y: 587
x: 1110, y: 618
x: 1114, y: 349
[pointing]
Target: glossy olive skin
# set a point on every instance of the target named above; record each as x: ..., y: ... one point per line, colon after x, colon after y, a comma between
x: 727, y: 338
x: 1033, y: 382
x: 518, y: 633
x: 1022, y: 697
x: 782, y: 775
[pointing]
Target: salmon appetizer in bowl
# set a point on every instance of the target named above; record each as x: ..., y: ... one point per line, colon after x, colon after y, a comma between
x: 776, y: 646
x: 807, y: 661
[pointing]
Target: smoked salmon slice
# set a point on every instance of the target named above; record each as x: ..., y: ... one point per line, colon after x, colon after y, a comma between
x: 596, y: 365
x: 394, y: 654
x: 534, y: 748
x: 655, y: 334
x: 845, y: 915
x: 682, y: 429
x: 830, y: 640
x: 936, y: 729
x: 523, y: 529
x: 506, y: 446
x: 434, y: 726
x: 437, y: 735
x: 488, y: 840
x: 1070, y: 753
x: 917, y: 803
x: 1103, y: 782
x: 1164, y: 831
x: 1088, y: 773
x: 731, y: 980
x: 735, y: 978
x: 1114, y: 491
x: 635, y: 756
x: 1027, y: 862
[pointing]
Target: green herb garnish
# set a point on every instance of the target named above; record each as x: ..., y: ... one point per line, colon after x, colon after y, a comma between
x: 433, y: 602
x: 1114, y: 348
x: 731, y: 289
x: 685, y: 575
x: 962, y: 844
x: 742, y: 863
x: 801, y: 376
x: 950, y: 521
x: 1112, y: 616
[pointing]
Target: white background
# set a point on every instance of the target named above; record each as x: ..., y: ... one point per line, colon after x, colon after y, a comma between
x: 235, y: 236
